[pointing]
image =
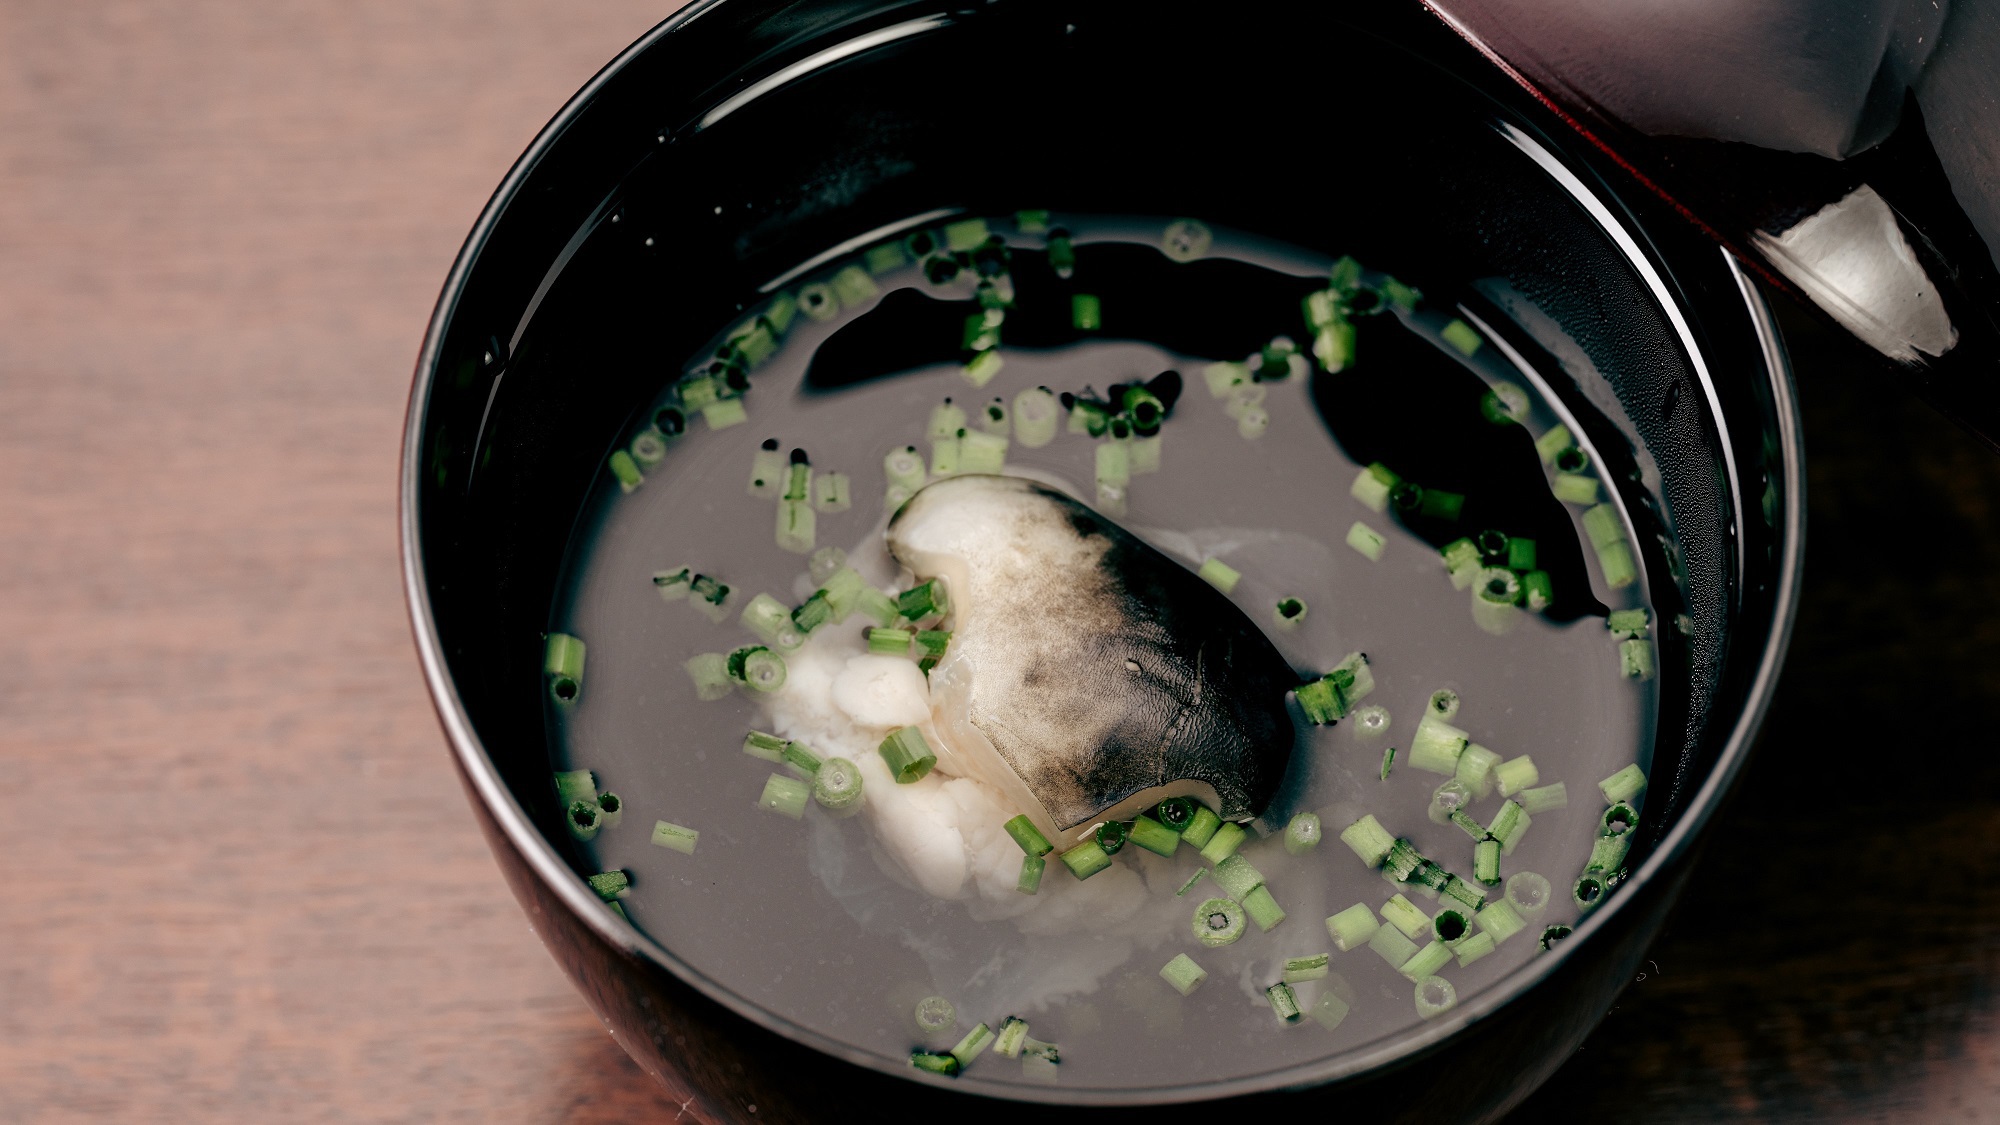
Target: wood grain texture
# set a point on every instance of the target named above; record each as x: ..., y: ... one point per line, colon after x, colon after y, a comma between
x: 237, y: 879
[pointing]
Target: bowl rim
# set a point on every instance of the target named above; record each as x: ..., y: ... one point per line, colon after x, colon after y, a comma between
x: 511, y: 819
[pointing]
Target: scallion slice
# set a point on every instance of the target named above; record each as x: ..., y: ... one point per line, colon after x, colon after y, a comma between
x: 1623, y: 785
x: 672, y: 585
x: 710, y: 673
x: 1607, y: 855
x: 757, y: 668
x: 905, y: 467
x: 1529, y: 894
x: 1329, y: 1010
x: 980, y: 452
x: 1263, y: 909
x: 676, y: 837
x: 1496, y: 597
x: 576, y: 785
x: 1352, y: 927
x: 1284, y: 1002
x: 796, y: 527
x: 612, y: 807
x: 1618, y: 820
x: 1086, y: 859
x: 1086, y: 312
x: 1553, y: 934
x: 787, y: 795
x: 1367, y: 541
x: 1368, y: 839
x: 1371, y: 721
x: 1191, y: 881
x: 1388, y: 762
x: 1110, y: 836
x: 975, y: 1042
x: 562, y: 662
x: 610, y: 884
x: 1389, y: 943
x: 1029, y: 837
x: 1182, y: 974
x: 800, y: 757
x: 767, y: 471
x: 1486, y: 862
x: 1553, y: 442
x: 1217, y: 921
x: 1030, y: 879
x: 1218, y: 574
x: 837, y: 784
x: 1153, y: 836
x: 1175, y: 813
x: 725, y: 413
x: 944, y: 457
x: 907, y: 755
x: 1588, y: 891
x: 924, y: 602
x: 1373, y: 485
x: 1302, y: 833
x: 1201, y: 827
x: 1509, y: 825
x: 1237, y: 877
x: 1462, y: 892
x: 831, y: 493
x: 1504, y: 403
x: 1224, y: 843
x: 932, y: 1063
x: 931, y: 646
x: 1543, y: 799
x: 1036, y: 416
x: 1402, y: 914
x: 1013, y: 1033
x: 1474, y: 947
x: 1500, y: 919
x: 1429, y: 959
x: 1451, y: 925
x: 889, y: 642
x: 1575, y: 488
x: 1436, y: 746
x: 935, y: 1014
x: 1288, y: 613
x: 1635, y: 659
x: 1450, y: 797
x: 1516, y: 774
x: 771, y: 620
x: 877, y: 606
x: 584, y: 819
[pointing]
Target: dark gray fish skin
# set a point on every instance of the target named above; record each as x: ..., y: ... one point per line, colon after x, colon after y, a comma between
x: 1106, y: 668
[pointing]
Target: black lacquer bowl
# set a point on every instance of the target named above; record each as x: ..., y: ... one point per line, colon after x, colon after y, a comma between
x: 742, y: 137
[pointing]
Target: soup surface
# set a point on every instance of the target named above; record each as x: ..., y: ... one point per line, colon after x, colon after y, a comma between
x: 1239, y: 390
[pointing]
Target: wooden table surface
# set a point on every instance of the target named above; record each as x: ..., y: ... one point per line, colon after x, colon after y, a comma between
x: 237, y: 879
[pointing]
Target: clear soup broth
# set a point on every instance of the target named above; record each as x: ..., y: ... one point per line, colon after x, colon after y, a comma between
x: 1358, y: 467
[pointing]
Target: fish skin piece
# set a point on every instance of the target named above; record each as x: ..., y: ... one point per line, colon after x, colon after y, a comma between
x: 1087, y: 668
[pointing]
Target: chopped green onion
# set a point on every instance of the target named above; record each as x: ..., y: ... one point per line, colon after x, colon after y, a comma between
x: 610, y: 884
x: 934, y: 1014
x: 1402, y: 914
x: 769, y: 747
x: 1462, y: 892
x: 966, y: 234
x: 1515, y: 775
x: 1110, y: 836
x: 1403, y: 860
x: 1448, y: 798
x: 1030, y: 879
x: 1329, y: 1010
x: 1036, y: 414
x: 1627, y: 623
x: 1504, y: 403
x: 1439, y: 504
x: 1451, y: 925
x: 889, y: 642
x: 710, y: 673
x: 1175, y: 813
x: 981, y: 369
x: 995, y: 419
x: 1575, y: 488
x: 1263, y: 909
x: 648, y: 449
x: 1029, y: 837
x: 771, y: 620
x: 1537, y: 591
x: 1218, y: 574
x: 1236, y: 877
x: 1444, y: 703
x: 921, y: 603
x: 1603, y: 526
x: 1475, y: 768
x: 842, y: 592
x: 1369, y: 840
x: 1086, y: 859
x: 1520, y: 554
x: 1461, y: 561
x: 970, y: 1047
x: 1509, y: 825
x: 883, y: 257
x: 1372, y: 486
x: 1319, y: 701
x: 1436, y: 746
x: 801, y: 757
x: 831, y: 493
x: 787, y: 795
x: 1191, y: 881
x: 1222, y: 378
x: 814, y: 612
x: 1252, y: 423
x: 757, y: 668
x: 944, y: 457
x: 907, y: 755
x: 584, y: 818
x: 818, y: 302
x: 1032, y: 1048
x: 1467, y: 824
x: 767, y: 470
x: 1496, y: 594
x: 1618, y: 820
x: 1553, y: 442
x: 1388, y: 762
x: 612, y: 807
x: 931, y: 644
x: 1224, y: 843
x: 1500, y: 919
x: 904, y: 467
x: 668, y: 835
x: 575, y: 785
x: 1217, y: 921
x: 1486, y: 862
x: 837, y: 784
x: 725, y: 413
x: 796, y: 526
x: 1288, y: 613
x: 1182, y: 974
x: 1352, y: 927
x: 1607, y: 854
x: 1114, y: 465
x: 1544, y: 799
x: 1572, y: 460
x: 1186, y: 239
x: 1201, y: 828
x: 853, y: 286
x: 1087, y: 417
x: 1086, y: 313
x: 1461, y: 335
x: 1433, y: 956
x: 672, y: 585
x: 1553, y: 934
x: 1389, y: 943
x: 1620, y: 568
x: 1529, y: 893
x: 1368, y: 541
x: 1635, y: 659
x: 1284, y: 1003
x: 1475, y: 947
x: 1588, y: 891
x: 1013, y: 1032
x: 981, y: 333
x: 1153, y: 836
x: 1623, y: 785
x: 934, y: 1063
x: 562, y: 661
x: 1333, y: 695
x: 878, y: 607
x: 1371, y: 721
x: 626, y: 470
x: 1302, y: 834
